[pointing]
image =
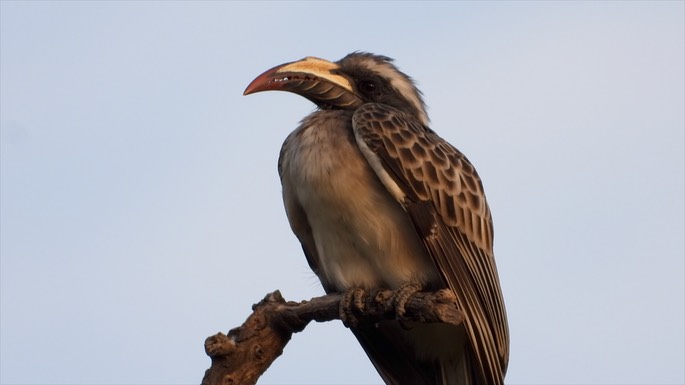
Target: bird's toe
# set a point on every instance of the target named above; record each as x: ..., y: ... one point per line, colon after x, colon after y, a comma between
x: 402, y: 295
x: 351, y: 306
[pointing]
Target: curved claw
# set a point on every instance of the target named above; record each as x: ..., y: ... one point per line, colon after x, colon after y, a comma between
x: 402, y: 296
x: 352, y: 304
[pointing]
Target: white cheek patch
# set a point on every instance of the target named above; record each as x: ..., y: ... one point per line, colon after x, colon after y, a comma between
x: 409, y: 92
x: 403, y: 86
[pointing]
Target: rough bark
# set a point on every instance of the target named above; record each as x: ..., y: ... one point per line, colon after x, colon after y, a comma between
x: 246, y: 352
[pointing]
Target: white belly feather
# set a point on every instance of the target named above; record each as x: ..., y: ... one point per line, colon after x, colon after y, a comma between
x: 360, y: 234
x: 363, y: 237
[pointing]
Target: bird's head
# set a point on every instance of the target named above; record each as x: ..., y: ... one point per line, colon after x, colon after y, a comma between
x: 356, y: 79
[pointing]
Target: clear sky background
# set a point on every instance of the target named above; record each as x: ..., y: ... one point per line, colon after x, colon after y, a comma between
x: 141, y: 208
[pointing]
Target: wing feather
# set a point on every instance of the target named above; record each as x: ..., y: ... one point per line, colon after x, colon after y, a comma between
x: 444, y: 198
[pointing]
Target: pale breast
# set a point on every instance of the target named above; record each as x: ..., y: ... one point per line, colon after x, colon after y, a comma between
x: 362, y: 237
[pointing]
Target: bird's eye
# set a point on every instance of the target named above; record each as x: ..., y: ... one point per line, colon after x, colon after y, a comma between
x: 367, y: 86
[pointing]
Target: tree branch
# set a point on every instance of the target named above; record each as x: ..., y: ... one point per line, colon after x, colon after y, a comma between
x: 243, y: 355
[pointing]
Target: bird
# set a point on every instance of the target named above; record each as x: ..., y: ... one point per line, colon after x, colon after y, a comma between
x: 379, y: 201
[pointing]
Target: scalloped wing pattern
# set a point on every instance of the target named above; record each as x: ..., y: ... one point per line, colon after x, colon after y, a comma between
x: 444, y: 197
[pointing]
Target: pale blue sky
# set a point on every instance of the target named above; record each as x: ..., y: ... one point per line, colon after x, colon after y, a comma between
x: 141, y: 208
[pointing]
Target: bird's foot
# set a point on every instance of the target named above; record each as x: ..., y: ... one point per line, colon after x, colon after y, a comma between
x: 352, y: 305
x: 402, y: 296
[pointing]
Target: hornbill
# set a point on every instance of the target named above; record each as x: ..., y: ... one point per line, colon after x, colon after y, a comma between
x: 379, y: 200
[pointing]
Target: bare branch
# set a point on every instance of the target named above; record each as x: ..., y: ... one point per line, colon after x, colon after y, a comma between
x: 243, y: 355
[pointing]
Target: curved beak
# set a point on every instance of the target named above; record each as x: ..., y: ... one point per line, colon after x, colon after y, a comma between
x: 316, y: 79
